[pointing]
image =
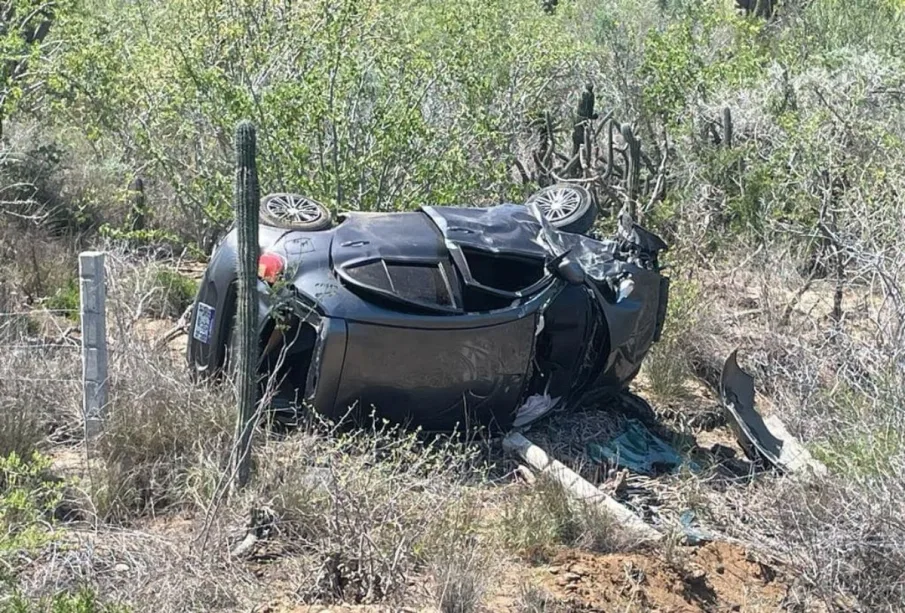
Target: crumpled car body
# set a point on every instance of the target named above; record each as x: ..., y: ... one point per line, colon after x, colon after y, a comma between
x: 440, y: 318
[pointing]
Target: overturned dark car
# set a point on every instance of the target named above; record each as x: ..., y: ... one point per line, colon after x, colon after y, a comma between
x: 439, y: 318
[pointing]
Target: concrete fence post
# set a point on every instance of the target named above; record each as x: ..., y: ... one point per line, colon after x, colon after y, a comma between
x: 93, y: 295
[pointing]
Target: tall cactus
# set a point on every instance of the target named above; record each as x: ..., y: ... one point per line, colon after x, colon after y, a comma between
x: 246, y: 201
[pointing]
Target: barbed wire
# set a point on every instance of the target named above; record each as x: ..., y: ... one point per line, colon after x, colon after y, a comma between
x: 17, y: 347
x: 39, y: 380
x: 38, y: 312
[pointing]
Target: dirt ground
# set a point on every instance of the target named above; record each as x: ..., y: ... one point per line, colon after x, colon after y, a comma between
x: 714, y: 577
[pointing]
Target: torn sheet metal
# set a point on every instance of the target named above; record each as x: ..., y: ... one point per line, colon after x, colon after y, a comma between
x: 737, y: 394
x: 766, y: 440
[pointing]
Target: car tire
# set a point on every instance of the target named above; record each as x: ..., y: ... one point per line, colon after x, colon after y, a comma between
x: 567, y: 207
x: 294, y: 212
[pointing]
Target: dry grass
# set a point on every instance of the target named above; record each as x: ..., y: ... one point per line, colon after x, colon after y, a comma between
x: 837, y: 382
x: 534, y: 599
x: 463, y: 568
x: 539, y: 520
x: 362, y: 517
x: 367, y: 509
x: 668, y: 366
x: 39, y: 390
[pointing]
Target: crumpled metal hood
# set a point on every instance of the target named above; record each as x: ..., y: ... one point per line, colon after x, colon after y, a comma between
x: 505, y: 228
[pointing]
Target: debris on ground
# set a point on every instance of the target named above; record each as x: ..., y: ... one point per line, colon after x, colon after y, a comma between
x: 767, y: 441
x: 576, y: 486
x: 637, y: 449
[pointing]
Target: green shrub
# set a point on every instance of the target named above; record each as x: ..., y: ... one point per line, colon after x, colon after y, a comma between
x: 177, y: 293
x: 383, y: 108
x: 83, y: 600
x: 28, y: 499
x: 66, y: 298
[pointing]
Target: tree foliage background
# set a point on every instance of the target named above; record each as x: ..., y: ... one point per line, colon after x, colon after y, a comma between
x: 386, y: 104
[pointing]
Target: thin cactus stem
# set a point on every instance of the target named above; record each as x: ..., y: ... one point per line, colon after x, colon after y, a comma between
x: 609, y: 150
x: 727, y: 128
x: 581, y: 131
x: 247, y: 202
x: 139, y: 205
x: 633, y: 157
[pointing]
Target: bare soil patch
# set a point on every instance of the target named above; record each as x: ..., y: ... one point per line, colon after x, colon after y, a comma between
x: 715, y: 577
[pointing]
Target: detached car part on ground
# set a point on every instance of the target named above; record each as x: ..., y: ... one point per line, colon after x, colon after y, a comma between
x: 439, y: 318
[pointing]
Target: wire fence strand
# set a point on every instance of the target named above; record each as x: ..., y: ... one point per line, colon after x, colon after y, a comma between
x: 39, y: 312
x: 38, y: 340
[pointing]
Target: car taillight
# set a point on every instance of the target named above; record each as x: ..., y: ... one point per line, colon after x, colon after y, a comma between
x: 270, y: 267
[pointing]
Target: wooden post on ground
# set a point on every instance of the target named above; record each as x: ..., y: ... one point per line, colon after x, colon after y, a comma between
x: 577, y: 487
x: 93, y: 295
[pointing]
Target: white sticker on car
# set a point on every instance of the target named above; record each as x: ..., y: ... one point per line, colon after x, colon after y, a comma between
x: 204, y: 322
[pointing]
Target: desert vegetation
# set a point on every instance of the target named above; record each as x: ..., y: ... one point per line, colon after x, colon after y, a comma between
x: 772, y: 148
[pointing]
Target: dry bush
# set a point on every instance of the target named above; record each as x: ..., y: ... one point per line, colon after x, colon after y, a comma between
x: 538, y: 520
x: 158, y: 291
x: 463, y: 561
x: 143, y: 569
x: 165, y: 438
x: 837, y: 381
x: 368, y: 509
x: 842, y: 541
x: 162, y: 445
x: 38, y: 267
x: 356, y: 517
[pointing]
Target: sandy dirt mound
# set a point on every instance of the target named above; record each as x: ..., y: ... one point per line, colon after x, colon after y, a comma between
x: 715, y: 577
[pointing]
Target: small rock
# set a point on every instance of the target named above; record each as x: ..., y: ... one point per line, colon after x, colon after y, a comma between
x: 736, y: 607
x: 553, y: 570
x: 572, y: 577
x: 720, y: 569
x: 121, y: 568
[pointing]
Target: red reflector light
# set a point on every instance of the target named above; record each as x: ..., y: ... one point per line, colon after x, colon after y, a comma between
x: 270, y: 267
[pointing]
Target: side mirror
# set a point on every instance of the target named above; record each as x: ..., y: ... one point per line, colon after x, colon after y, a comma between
x: 566, y: 268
